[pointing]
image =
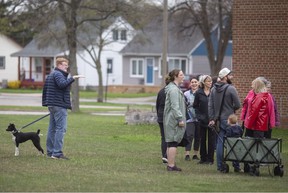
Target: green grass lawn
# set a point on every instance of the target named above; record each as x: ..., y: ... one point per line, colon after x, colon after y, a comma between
x: 108, y: 156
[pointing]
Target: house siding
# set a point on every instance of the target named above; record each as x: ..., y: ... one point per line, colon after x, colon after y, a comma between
x: 200, y: 64
x: 128, y: 80
x: 7, y: 47
x: 260, y: 44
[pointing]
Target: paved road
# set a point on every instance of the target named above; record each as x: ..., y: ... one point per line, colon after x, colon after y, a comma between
x: 11, y: 99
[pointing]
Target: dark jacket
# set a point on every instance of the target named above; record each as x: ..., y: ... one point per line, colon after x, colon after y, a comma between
x: 201, y: 106
x: 160, y: 105
x: 56, y: 90
x: 234, y: 131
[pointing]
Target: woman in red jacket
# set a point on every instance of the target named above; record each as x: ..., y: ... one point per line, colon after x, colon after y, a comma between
x: 260, y: 113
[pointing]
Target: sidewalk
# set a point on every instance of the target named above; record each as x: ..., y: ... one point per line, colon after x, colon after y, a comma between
x: 35, y: 100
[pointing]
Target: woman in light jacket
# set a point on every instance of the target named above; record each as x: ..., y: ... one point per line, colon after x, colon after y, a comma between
x: 174, y: 116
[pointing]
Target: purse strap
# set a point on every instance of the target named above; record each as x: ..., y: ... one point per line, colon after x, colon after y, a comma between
x: 221, y: 106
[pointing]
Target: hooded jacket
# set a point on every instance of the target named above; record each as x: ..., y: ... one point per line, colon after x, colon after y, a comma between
x: 231, y: 101
x: 260, y: 113
x: 174, y: 112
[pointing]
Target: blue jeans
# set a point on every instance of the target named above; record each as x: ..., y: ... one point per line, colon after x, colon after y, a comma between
x: 56, y: 131
x: 220, y: 147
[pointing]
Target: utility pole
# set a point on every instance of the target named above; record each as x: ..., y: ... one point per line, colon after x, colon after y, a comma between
x: 164, y: 42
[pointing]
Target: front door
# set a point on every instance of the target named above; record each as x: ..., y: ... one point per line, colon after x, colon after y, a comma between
x: 149, y: 71
x: 47, y: 67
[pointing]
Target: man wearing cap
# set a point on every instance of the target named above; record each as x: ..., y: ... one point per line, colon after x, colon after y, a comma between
x: 230, y: 104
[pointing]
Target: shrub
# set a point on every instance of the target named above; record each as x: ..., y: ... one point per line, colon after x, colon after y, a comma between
x: 14, y: 84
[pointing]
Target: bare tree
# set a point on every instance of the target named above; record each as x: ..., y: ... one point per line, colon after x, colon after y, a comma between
x: 206, y: 15
x: 60, y: 21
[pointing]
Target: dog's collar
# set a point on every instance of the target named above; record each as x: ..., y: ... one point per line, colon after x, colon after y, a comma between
x: 15, y: 131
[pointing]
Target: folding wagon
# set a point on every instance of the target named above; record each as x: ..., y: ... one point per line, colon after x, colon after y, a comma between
x: 254, y: 152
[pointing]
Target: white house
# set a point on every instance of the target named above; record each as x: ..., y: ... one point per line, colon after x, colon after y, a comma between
x: 8, y: 64
x: 116, y: 37
x: 38, y: 62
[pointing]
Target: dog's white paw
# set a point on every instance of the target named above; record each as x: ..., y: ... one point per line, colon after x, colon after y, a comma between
x: 40, y: 154
x: 16, y: 151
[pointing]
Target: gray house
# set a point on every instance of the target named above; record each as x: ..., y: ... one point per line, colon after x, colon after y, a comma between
x: 143, y: 55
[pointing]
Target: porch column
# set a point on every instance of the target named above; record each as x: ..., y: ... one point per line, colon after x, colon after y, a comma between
x: 30, y: 68
x: 19, y: 68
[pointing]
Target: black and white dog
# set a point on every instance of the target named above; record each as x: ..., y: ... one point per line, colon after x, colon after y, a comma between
x: 19, y: 137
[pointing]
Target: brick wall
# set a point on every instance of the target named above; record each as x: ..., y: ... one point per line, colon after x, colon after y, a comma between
x: 260, y: 48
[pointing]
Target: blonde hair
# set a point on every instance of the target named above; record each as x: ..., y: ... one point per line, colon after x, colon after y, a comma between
x: 232, y: 119
x: 202, y: 80
x: 258, y: 86
x: 60, y: 60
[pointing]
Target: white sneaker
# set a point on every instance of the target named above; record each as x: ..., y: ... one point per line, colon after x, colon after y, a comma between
x: 164, y: 160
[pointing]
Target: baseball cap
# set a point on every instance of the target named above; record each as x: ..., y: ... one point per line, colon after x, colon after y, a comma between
x: 224, y: 72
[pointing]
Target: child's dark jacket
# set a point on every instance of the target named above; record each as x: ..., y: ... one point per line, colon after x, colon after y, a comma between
x: 234, y: 131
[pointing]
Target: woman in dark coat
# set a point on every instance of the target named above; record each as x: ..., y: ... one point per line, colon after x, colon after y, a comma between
x: 201, y: 109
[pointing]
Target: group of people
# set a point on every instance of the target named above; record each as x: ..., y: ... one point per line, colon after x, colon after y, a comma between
x: 206, y: 113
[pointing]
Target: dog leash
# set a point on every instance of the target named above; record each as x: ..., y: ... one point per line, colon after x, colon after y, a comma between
x: 34, y: 121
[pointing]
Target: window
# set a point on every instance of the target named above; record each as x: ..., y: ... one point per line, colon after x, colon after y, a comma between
x: 38, y: 65
x: 109, y: 66
x: 177, y: 63
x: 123, y: 35
x: 136, y: 68
x: 38, y: 69
x: 115, y: 35
x: 2, y: 62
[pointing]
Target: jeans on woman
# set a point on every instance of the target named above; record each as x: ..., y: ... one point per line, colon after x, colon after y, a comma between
x: 56, y: 131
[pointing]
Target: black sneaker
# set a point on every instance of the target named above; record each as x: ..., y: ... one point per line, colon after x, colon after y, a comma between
x: 60, y: 157
x: 237, y: 170
x: 202, y: 162
x: 209, y: 163
x: 173, y: 169
x: 187, y: 158
x: 195, y: 157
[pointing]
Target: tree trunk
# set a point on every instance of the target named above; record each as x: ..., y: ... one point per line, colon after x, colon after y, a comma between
x: 100, y: 79
x: 69, y: 16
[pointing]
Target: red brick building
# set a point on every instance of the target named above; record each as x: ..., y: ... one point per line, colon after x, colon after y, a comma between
x: 260, y: 48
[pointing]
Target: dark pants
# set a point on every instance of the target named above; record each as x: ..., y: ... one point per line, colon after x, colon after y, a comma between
x: 192, y: 132
x: 207, y: 154
x: 268, y: 134
x: 255, y: 134
x: 163, y: 142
